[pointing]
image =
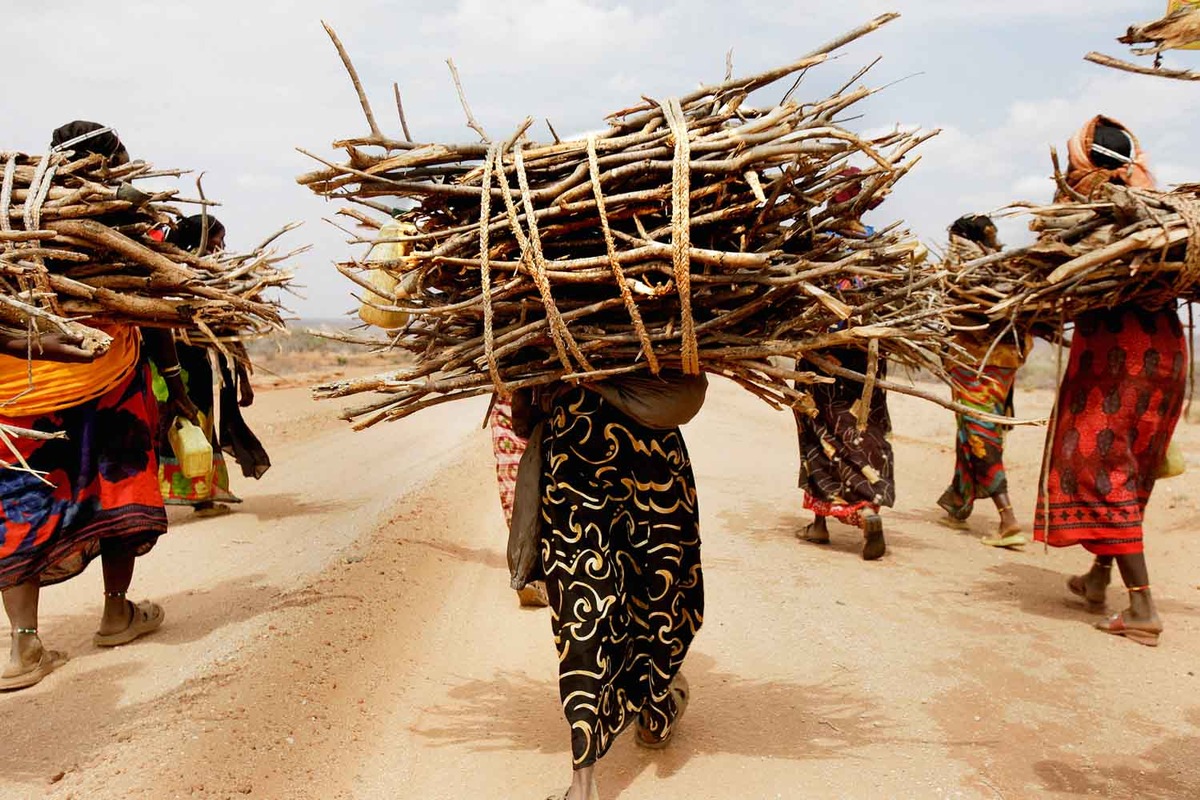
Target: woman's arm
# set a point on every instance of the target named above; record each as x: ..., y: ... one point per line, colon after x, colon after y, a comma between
x: 241, y: 374
x: 46, y: 347
x: 160, y: 345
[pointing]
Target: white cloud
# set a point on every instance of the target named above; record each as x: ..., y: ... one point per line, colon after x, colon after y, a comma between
x: 233, y: 87
x: 514, y: 36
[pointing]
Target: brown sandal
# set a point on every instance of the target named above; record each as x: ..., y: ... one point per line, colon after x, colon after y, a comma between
x: 1117, y: 626
x: 50, y: 661
x: 682, y: 693
x: 144, y: 618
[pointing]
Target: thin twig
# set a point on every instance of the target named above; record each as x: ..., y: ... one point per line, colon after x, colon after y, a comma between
x: 472, y: 123
x: 1158, y: 72
x: 358, y: 87
x: 400, y: 112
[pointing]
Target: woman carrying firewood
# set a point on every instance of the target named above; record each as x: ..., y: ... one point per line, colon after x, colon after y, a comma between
x: 208, y: 495
x: 92, y: 493
x: 1116, y: 410
x: 997, y: 352
x: 846, y: 466
x: 606, y: 512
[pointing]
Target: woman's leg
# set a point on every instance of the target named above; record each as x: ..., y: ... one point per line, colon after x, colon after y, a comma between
x: 1136, y: 575
x: 116, y: 561
x: 816, y: 531
x: 959, y: 498
x: 874, y: 545
x: 1008, y: 519
x: 1093, y: 584
x: 21, y: 606
x: 583, y: 784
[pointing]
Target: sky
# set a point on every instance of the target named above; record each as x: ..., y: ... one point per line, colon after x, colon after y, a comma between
x: 233, y: 88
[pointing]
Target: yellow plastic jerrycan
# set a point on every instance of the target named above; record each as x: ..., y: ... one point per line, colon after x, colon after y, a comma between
x: 1174, y: 463
x: 384, y: 281
x: 192, y: 448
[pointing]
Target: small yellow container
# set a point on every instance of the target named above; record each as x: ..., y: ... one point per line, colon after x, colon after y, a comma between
x: 1174, y: 464
x: 192, y: 448
x: 384, y: 281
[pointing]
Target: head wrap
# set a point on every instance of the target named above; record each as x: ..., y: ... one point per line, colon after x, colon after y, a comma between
x: 978, y: 228
x: 972, y: 236
x: 84, y: 137
x: 1105, y: 151
x: 186, y: 235
x: 852, y: 189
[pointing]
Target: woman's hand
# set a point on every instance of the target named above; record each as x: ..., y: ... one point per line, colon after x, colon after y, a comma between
x: 57, y: 347
x: 179, y: 404
x: 245, y: 390
x: 48, y: 347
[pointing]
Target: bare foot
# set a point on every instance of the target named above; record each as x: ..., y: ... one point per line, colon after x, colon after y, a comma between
x: 1092, y: 587
x: 583, y: 785
x: 816, y: 532
x: 874, y: 546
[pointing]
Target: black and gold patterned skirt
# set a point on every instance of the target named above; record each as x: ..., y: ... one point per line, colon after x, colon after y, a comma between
x: 621, y: 555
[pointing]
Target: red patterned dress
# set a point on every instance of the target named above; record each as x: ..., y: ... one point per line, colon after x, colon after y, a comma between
x: 508, y: 449
x: 1117, y: 408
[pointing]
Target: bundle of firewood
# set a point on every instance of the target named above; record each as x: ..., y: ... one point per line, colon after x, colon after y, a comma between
x: 74, y: 252
x: 1124, y: 245
x: 697, y: 233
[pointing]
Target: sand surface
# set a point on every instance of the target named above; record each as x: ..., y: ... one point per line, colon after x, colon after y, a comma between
x: 349, y: 633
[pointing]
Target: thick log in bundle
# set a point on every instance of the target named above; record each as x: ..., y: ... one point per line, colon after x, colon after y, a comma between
x: 1125, y: 245
x: 695, y: 233
x: 74, y: 252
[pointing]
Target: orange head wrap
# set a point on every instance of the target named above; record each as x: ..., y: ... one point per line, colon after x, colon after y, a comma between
x: 1084, y: 176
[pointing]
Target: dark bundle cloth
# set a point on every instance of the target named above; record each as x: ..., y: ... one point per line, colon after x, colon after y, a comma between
x: 658, y: 402
x: 189, y: 232
x: 82, y: 137
x: 235, y: 435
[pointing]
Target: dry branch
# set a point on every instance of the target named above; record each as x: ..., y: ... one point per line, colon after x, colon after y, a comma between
x: 693, y: 233
x: 76, y: 251
x: 1124, y: 245
x: 1158, y: 72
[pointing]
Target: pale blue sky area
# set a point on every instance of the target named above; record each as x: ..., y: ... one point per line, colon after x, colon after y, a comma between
x: 232, y: 88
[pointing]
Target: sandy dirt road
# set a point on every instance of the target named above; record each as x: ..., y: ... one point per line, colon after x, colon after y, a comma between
x: 349, y: 634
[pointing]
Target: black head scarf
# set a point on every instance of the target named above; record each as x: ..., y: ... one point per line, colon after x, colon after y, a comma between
x: 1112, y: 147
x: 978, y: 228
x: 186, y: 235
x: 84, y: 137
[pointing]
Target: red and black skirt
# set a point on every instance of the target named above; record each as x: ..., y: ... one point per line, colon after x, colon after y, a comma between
x: 1116, y: 410
x: 845, y: 471
x: 101, y: 483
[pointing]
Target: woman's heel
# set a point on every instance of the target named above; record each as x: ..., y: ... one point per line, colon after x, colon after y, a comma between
x: 875, y: 546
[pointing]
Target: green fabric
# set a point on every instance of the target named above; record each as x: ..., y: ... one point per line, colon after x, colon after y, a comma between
x: 159, y: 384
